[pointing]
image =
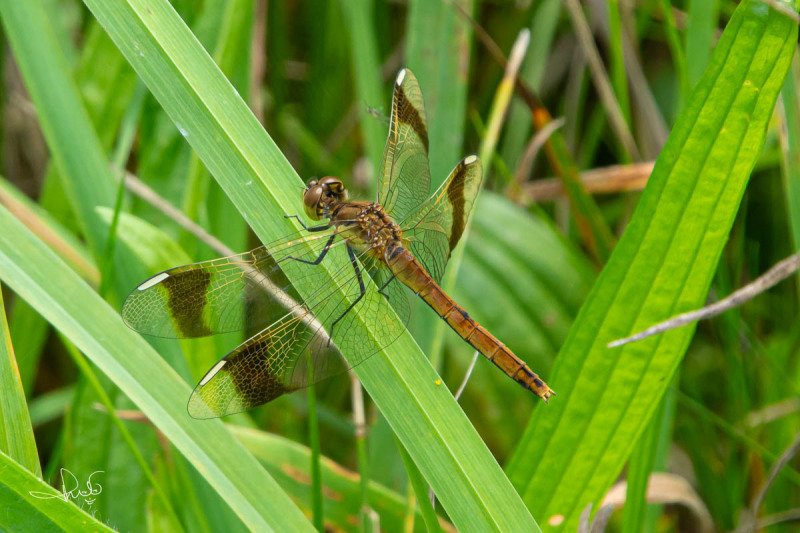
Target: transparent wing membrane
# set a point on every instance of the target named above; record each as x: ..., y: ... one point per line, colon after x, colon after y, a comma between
x: 405, y: 174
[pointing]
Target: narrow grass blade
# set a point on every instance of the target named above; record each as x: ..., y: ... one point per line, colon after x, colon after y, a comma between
x: 610, y: 102
x: 317, y: 502
x: 790, y: 148
x: 367, y: 73
x: 676, y: 49
x: 438, y: 51
x: 171, y: 517
x: 619, y: 79
x: 50, y: 405
x: 420, y: 490
x: 502, y: 98
x: 663, y: 264
x: 16, y: 432
x: 640, y: 467
x: 58, y: 238
x: 100, y: 68
x: 702, y: 23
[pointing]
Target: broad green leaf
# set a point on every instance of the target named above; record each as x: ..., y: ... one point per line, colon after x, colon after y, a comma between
x: 255, y: 175
x: 16, y: 432
x: 44, y: 281
x: 663, y: 265
x: 44, y: 510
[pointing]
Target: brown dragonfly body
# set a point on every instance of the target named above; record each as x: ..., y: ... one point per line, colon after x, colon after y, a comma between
x: 405, y: 237
x: 410, y: 272
x: 368, y: 228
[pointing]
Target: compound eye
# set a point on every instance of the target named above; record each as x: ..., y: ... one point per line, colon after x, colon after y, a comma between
x: 312, y: 197
x: 332, y: 184
x: 330, y: 180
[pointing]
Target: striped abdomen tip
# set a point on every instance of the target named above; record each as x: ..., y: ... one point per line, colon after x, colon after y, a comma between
x: 540, y: 389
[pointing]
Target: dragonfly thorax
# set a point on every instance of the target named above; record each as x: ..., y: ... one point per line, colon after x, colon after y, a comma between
x: 367, y: 226
x: 321, y: 197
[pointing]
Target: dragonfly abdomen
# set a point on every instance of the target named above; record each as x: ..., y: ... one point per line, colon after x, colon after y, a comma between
x: 408, y: 270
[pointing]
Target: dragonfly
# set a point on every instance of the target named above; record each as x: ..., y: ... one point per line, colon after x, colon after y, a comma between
x: 401, y: 241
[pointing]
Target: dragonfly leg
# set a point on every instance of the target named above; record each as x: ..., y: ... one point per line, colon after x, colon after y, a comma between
x: 361, y: 287
x: 313, y: 228
x: 380, y: 291
x: 319, y: 259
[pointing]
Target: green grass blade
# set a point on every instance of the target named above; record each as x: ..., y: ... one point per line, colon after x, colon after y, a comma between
x: 640, y: 467
x: 790, y: 145
x: 41, y: 278
x: 438, y: 51
x: 100, y: 69
x: 367, y: 74
x: 421, y: 491
x: 171, y: 517
x: 263, y: 186
x: 676, y: 49
x: 233, y: 22
x: 25, y: 512
x: 50, y: 405
x: 664, y: 264
x: 617, y: 74
x: 317, y: 502
x: 73, y: 143
x: 701, y: 25
x: 16, y: 432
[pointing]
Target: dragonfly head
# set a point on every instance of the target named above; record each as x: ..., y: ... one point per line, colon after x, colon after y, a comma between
x: 319, y: 197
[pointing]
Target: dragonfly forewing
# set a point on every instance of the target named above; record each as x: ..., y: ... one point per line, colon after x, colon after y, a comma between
x: 405, y: 174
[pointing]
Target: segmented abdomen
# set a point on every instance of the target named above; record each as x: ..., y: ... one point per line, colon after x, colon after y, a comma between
x: 408, y: 270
